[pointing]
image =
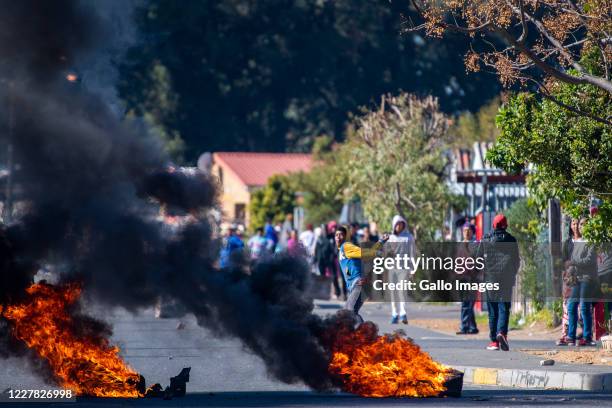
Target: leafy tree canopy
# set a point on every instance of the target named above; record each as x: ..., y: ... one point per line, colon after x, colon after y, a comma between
x: 396, y: 159
x: 273, y: 201
x: 570, y: 154
x: 477, y: 127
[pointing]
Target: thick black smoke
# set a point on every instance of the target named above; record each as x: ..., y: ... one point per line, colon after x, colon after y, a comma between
x: 88, y: 188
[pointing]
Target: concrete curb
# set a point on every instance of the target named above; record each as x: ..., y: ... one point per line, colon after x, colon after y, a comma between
x: 551, y: 380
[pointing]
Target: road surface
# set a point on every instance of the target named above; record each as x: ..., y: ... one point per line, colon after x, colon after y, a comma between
x: 225, y: 375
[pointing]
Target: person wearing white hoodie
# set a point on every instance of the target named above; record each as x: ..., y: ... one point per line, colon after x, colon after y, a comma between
x: 402, y: 243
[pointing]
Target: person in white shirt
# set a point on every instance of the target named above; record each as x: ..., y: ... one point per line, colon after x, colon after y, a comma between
x: 401, y: 242
x: 308, y: 239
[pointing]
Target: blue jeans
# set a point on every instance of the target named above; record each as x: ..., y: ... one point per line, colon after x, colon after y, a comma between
x: 355, y: 300
x: 579, y: 293
x: 499, y: 316
x: 468, y: 320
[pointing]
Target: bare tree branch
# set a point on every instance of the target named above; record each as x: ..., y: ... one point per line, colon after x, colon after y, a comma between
x: 547, y: 68
x: 525, y: 31
x: 455, y: 27
x: 551, y: 20
x: 600, y: 42
x: 540, y: 27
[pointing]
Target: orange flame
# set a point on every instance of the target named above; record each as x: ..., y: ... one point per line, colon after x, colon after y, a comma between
x: 370, y: 365
x: 87, y: 365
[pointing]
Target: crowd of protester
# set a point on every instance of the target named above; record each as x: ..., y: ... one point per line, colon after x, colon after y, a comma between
x: 586, y: 273
x: 316, y: 244
x: 335, y: 251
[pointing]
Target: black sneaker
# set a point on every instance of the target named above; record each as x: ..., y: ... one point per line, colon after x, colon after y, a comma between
x: 503, y: 342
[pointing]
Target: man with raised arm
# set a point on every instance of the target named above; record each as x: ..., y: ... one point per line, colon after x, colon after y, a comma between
x: 349, y: 257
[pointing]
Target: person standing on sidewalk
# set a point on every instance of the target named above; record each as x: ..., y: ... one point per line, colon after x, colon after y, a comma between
x: 337, y: 276
x: 583, y: 271
x: 324, y: 254
x: 308, y: 239
x: 568, y: 279
x: 501, y: 255
x: 468, y: 298
x: 402, y: 242
x: 349, y: 256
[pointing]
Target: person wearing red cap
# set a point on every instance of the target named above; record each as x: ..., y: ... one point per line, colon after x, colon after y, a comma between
x: 501, y: 266
x: 500, y: 222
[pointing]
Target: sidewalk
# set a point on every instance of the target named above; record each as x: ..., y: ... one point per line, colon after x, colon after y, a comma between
x: 468, y: 354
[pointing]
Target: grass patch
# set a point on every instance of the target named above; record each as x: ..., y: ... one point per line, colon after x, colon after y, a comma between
x: 545, y: 316
x: 482, y: 320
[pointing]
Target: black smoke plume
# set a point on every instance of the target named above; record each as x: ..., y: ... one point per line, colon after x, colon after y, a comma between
x: 88, y: 186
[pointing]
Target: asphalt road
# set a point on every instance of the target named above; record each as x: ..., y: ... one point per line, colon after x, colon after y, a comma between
x: 472, y: 397
x: 225, y: 375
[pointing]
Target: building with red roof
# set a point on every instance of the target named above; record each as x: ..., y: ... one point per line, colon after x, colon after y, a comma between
x: 240, y: 173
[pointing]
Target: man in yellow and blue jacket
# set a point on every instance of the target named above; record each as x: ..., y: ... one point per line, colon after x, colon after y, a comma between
x: 349, y: 257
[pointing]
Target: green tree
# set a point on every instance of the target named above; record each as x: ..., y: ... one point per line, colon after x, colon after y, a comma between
x: 477, y: 127
x: 273, y: 201
x: 395, y: 160
x: 559, y: 52
x: 570, y: 155
x: 321, y: 204
x: 321, y: 200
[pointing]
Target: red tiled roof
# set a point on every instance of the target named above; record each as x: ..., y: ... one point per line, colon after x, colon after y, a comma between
x: 254, y: 169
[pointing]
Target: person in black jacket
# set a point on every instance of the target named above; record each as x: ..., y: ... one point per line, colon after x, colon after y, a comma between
x: 501, y: 254
x: 324, y: 252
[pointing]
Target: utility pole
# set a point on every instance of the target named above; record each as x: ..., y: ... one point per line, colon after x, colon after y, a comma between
x: 486, y: 210
x: 554, y: 240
